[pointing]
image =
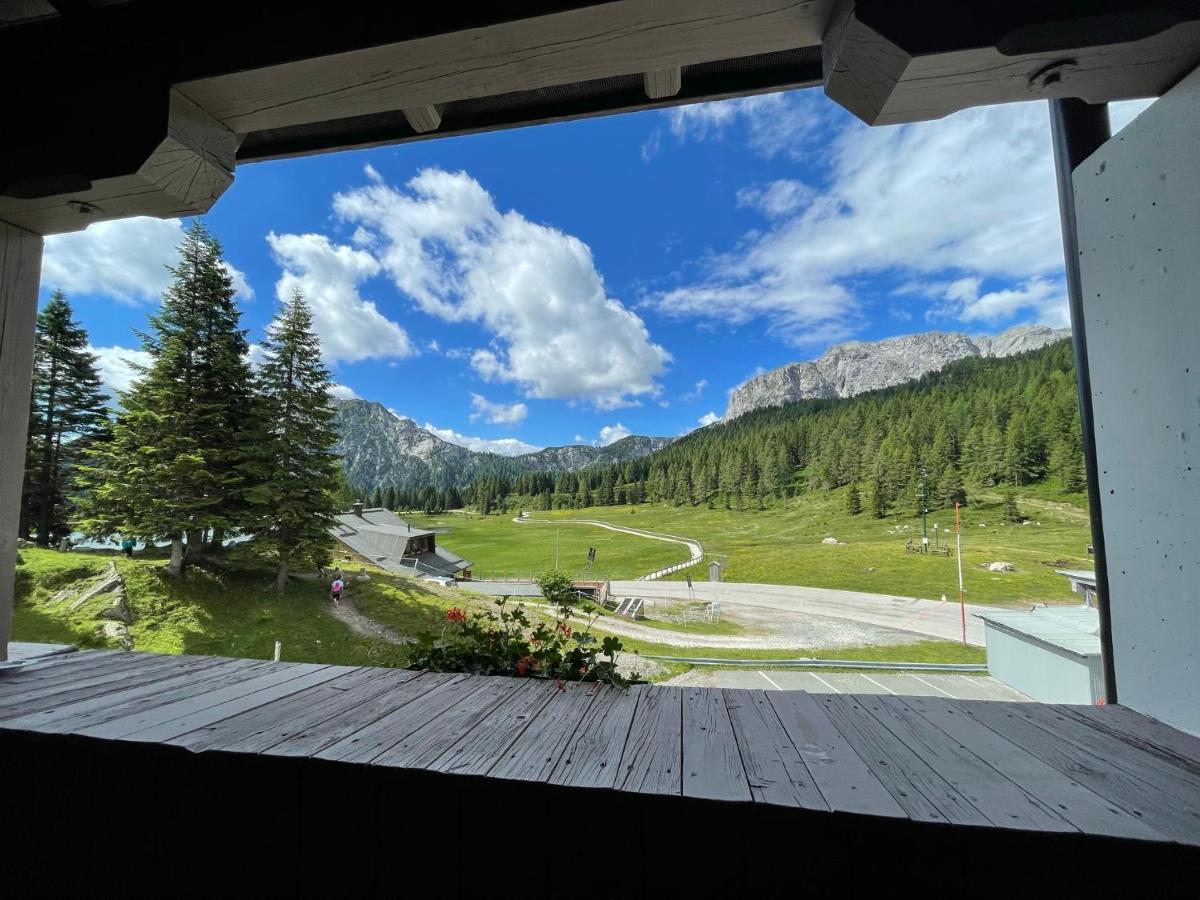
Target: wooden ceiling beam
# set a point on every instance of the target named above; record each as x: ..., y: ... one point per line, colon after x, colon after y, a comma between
x: 663, y: 83
x: 890, y: 63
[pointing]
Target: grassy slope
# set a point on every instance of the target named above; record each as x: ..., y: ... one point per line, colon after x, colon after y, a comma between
x: 498, y: 547
x: 228, y: 610
x: 783, y: 545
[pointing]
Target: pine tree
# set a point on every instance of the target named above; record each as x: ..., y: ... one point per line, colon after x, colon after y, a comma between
x: 182, y: 456
x: 1012, y: 512
x: 66, y: 412
x: 879, y: 497
x: 296, y: 501
x: 854, y: 499
x: 953, y: 490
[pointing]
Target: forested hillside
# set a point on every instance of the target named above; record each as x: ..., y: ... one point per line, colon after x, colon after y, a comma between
x: 976, y: 423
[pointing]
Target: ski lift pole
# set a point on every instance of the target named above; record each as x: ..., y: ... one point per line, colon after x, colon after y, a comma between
x: 962, y: 603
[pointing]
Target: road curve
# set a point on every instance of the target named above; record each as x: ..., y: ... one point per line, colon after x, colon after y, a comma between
x: 694, y: 548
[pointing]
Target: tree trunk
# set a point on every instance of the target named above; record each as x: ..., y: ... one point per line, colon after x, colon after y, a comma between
x: 175, y: 566
x: 195, y: 545
x: 217, y: 543
x: 281, y: 577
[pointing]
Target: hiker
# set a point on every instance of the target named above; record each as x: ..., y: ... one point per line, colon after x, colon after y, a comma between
x: 127, y: 546
x: 336, y: 591
x: 337, y: 573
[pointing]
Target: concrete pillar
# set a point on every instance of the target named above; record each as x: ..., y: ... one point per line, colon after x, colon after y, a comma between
x: 20, y: 272
x: 1137, y: 201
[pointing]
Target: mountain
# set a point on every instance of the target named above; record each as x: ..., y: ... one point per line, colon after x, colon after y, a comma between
x: 857, y: 366
x: 379, y: 449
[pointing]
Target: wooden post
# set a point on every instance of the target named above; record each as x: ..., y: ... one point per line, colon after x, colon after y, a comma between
x: 20, y: 272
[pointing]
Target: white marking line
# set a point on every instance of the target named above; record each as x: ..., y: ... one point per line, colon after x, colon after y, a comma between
x: 824, y: 682
x: 877, y: 684
x: 932, y: 685
x: 773, y: 684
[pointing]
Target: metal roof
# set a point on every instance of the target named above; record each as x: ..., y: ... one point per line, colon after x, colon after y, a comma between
x: 1078, y: 575
x: 1075, y: 629
x: 382, y: 537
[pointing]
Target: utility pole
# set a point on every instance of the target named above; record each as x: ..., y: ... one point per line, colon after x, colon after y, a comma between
x: 924, y: 511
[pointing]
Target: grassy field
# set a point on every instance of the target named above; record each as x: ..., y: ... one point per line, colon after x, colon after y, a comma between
x: 783, y: 545
x: 498, y: 547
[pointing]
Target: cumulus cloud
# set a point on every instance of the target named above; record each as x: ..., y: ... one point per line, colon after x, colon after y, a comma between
x: 342, y: 392
x: 350, y: 327
x: 971, y: 196
x: 610, y: 434
x: 113, y: 363
x: 709, y: 418
x: 556, y: 332
x: 502, y: 446
x: 497, y: 413
x: 772, y: 124
x: 126, y: 260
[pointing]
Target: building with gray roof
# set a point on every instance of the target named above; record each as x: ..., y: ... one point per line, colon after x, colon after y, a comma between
x: 382, y: 538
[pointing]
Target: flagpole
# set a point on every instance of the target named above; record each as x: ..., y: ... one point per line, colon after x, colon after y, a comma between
x: 962, y: 604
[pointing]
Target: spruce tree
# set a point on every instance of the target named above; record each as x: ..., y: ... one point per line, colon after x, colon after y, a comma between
x: 953, y: 490
x: 1012, y: 512
x: 879, y: 497
x: 297, y: 498
x: 854, y: 499
x: 66, y: 412
x: 182, y: 456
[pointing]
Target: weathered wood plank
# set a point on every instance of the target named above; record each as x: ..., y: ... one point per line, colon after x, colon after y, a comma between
x: 353, y: 718
x: 257, y: 729
x: 593, y: 755
x: 775, y: 770
x: 90, y: 684
x: 920, y: 791
x: 22, y: 681
x: 477, y: 751
x: 421, y: 747
x: 1151, y: 735
x: 653, y: 759
x: 712, y: 762
x: 537, y: 750
x: 430, y: 697
x: 1086, y: 810
x: 1005, y: 803
x: 423, y: 119
x: 1097, y: 774
x: 192, y: 674
x: 20, y: 271
x: 188, y: 715
x: 843, y: 777
x: 662, y: 83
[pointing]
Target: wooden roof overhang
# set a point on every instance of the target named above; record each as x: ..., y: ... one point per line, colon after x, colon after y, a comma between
x: 126, y: 108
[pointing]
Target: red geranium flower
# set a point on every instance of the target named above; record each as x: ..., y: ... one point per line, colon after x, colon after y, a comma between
x: 565, y: 629
x: 525, y: 664
x: 562, y: 685
x: 456, y: 615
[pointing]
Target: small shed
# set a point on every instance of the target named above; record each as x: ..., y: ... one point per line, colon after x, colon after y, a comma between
x: 1051, y: 655
x: 1082, y: 582
x: 714, y: 571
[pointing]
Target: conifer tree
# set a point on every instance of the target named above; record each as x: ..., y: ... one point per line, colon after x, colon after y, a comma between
x: 296, y: 500
x: 1012, y: 512
x: 879, y: 497
x: 854, y: 499
x: 66, y: 412
x: 953, y: 490
x: 182, y: 455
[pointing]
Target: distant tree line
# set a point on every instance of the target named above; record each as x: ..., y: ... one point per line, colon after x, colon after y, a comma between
x: 978, y: 422
x: 201, y: 445
x: 429, y: 500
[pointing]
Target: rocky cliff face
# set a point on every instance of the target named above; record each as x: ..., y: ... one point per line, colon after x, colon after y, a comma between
x: 857, y: 367
x: 378, y: 448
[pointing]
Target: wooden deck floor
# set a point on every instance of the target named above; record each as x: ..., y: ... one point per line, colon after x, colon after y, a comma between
x: 1102, y: 773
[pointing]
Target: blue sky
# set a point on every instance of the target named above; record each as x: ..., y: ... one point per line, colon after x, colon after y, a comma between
x: 581, y: 281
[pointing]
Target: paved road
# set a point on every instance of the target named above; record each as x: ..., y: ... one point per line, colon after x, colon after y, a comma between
x: 924, y: 684
x: 931, y: 618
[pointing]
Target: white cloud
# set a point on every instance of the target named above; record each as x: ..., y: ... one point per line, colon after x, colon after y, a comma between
x: 969, y: 196
x: 125, y: 259
x: 652, y: 146
x: 350, y: 328
x: 342, y: 392
x: 709, y: 418
x: 697, y: 392
x: 372, y: 173
x: 116, y: 375
x: 610, y: 434
x: 777, y: 198
x: 503, y: 446
x: 556, y: 332
x: 497, y: 413
x: 773, y: 124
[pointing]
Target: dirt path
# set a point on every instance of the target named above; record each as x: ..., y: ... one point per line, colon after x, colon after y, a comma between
x: 693, y: 546
x: 347, y: 613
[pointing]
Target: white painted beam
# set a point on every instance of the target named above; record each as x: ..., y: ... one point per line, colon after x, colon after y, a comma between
x: 423, y: 119
x: 662, y: 83
x: 623, y: 37
x: 20, y: 272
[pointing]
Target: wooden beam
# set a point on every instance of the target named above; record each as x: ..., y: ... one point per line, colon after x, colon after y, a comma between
x: 663, y: 83
x: 182, y: 174
x: 423, y: 119
x: 891, y: 63
x: 20, y: 272
x: 623, y: 37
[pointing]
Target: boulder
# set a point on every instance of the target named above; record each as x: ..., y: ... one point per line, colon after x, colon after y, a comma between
x: 1000, y: 567
x: 118, y: 610
x: 116, y: 631
x: 830, y: 540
